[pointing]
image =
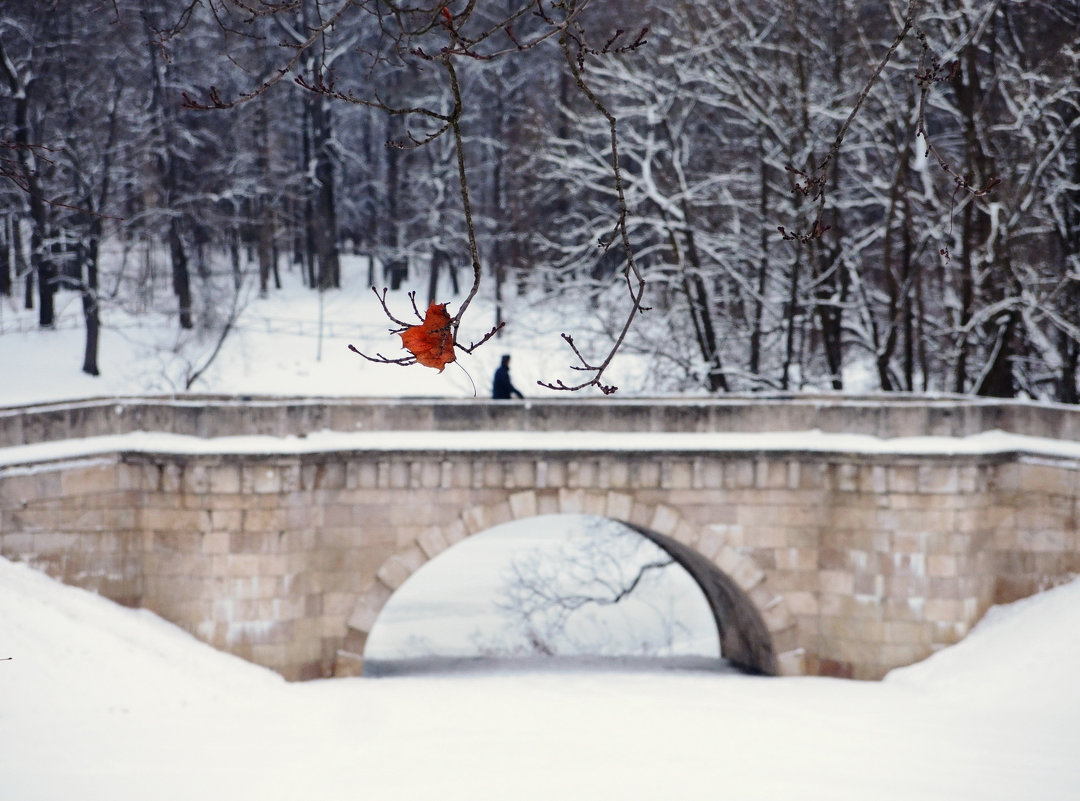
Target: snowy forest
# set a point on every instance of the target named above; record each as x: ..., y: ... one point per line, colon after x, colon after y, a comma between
x: 757, y: 194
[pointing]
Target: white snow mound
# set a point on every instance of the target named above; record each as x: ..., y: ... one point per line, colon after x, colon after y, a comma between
x: 1025, y: 653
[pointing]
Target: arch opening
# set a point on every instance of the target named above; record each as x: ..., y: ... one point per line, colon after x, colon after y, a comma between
x: 562, y: 589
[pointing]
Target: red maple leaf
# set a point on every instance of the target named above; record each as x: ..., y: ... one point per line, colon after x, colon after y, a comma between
x: 431, y: 342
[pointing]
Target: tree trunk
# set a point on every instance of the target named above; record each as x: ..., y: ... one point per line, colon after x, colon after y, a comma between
x: 264, y: 218
x: 46, y: 276
x: 437, y: 257
x: 998, y: 380
x: 763, y: 264
x: 181, y: 281
x: 170, y: 184
x: 967, y: 298
x: 5, y: 256
x: 90, y: 305
x: 697, y: 296
x: 791, y: 315
x: 324, y: 224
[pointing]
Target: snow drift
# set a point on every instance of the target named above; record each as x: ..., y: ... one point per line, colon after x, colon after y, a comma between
x: 102, y: 702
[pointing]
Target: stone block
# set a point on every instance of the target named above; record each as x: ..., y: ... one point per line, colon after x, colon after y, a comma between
x: 796, y: 558
x: 1004, y: 478
x: 903, y: 479
x: 400, y: 566
x: 565, y: 501
x: 617, y: 473
x: 813, y: 475
x: 939, y: 565
x: 766, y: 538
x: 547, y: 503
x: 329, y: 476
x: 910, y: 586
x: 837, y: 582
x: 846, y: 477
x: 583, y: 474
x: 476, y: 519
x: 195, y: 479
x: 145, y: 477
x: 618, y: 506
x: 739, y: 474
x: 1047, y: 479
x: 646, y: 474
x: 430, y: 475
x: 398, y: 475
x: 1044, y: 540
x: 500, y: 513
x: 368, y: 608
x: 523, y: 504
x: 873, y: 480
x: 777, y: 615
x: 909, y: 542
x: 747, y: 574
x: 264, y: 479
x: 492, y: 475
x: 338, y: 515
x: 521, y: 474
x: 676, y: 474
x: 802, y: 603
x: 260, y: 542
x: 92, y: 479
x: 943, y: 610
x: 785, y: 581
x: 455, y: 531
x: 710, y: 542
x: 432, y: 542
x: 555, y: 475
x: 664, y: 520
x: 792, y: 663
x: 361, y: 475
x: 687, y: 533
x: 853, y: 630
x: 711, y: 474
x: 970, y: 479
x: 868, y: 586
x: 938, y: 480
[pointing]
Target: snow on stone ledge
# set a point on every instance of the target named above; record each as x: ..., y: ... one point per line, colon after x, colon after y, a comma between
x: 986, y: 443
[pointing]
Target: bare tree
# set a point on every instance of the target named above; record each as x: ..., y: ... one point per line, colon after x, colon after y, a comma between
x: 570, y: 601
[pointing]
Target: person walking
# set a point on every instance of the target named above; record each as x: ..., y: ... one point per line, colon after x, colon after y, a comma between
x: 501, y: 386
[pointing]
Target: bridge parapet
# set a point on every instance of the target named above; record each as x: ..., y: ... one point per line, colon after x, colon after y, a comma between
x: 883, y: 416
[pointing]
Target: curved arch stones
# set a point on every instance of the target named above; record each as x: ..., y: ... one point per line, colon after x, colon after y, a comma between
x: 757, y: 631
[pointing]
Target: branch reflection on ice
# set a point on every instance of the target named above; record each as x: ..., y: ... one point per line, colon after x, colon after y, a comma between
x: 585, y: 590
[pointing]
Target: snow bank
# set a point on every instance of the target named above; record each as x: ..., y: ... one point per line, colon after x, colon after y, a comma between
x: 1024, y: 654
x: 100, y: 702
x: 85, y: 650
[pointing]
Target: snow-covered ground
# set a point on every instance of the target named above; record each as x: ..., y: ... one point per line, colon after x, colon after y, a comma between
x: 102, y: 702
x: 292, y: 342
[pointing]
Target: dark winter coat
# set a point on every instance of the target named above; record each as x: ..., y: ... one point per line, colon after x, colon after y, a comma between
x: 501, y: 388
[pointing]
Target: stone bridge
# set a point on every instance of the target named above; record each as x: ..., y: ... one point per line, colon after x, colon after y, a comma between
x: 831, y: 535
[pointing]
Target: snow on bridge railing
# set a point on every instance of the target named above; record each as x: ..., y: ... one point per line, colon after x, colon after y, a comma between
x: 885, y: 416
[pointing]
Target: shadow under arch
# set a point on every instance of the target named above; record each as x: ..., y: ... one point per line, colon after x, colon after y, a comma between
x: 745, y: 640
x: 751, y: 621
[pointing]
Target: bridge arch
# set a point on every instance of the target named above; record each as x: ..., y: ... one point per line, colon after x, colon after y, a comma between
x: 755, y: 626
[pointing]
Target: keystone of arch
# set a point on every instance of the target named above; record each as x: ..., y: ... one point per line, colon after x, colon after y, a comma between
x: 660, y: 519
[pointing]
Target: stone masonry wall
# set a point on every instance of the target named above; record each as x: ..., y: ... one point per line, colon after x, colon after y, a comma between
x: 872, y: 561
